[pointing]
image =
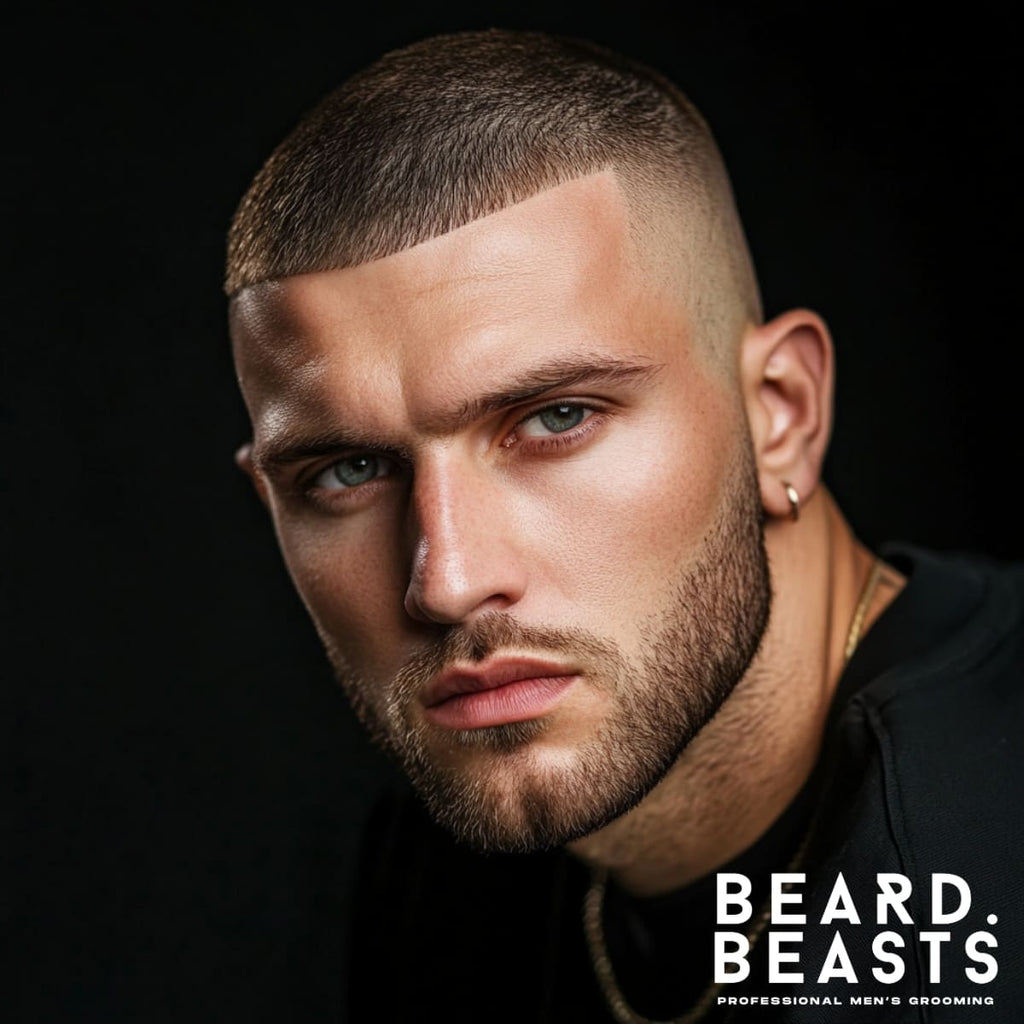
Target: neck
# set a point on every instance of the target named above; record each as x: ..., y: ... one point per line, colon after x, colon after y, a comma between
x: 749, y: 762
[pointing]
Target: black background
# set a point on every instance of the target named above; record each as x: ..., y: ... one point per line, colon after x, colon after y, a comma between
x: 187, y: 781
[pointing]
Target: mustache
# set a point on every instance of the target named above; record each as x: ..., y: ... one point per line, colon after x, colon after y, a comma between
x: 491, y: 633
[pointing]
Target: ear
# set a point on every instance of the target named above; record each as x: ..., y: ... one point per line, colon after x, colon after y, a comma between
x: 243, y: 460
x: 786, y: 367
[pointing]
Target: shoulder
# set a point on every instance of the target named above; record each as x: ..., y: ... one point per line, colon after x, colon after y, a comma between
x: 974, y: 608
x: 948, y: 721
x: 930, y: 779
x: 941, y: 701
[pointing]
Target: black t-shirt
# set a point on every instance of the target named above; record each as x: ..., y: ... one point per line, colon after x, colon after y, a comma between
x: 921, y: 772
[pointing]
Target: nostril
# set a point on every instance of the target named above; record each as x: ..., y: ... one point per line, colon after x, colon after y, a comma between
x: 414, y: 606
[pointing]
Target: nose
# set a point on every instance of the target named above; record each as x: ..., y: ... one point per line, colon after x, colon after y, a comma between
x: 466, y: 555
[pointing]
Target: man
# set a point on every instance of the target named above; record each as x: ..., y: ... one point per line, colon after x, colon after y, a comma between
x: 549, y: 486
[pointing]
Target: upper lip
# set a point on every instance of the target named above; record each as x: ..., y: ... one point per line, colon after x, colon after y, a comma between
x: 488, y: 675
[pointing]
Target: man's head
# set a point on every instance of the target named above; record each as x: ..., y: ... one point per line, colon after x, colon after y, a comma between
x: 514, y: 417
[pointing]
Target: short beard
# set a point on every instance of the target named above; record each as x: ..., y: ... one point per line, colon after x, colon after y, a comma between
x: 695, y: 651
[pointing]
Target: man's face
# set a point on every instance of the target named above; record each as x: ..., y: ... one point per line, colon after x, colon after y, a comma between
x: 519, y: 501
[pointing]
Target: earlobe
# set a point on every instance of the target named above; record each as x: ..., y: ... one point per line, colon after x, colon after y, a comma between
x: 243, y: 459
x: 786, y: 369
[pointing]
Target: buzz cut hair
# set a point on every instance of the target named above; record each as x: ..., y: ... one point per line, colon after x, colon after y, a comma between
x: 456, y: 127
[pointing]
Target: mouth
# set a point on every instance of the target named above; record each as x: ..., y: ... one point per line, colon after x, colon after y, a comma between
x: 496, y: 692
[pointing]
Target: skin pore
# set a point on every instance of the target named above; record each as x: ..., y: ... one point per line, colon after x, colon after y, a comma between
x: 524, y: 422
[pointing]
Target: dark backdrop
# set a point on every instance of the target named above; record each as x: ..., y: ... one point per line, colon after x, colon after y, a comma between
x: 187, y: 781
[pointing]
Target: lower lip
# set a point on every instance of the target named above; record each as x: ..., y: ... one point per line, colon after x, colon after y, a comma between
x: 518, y: 701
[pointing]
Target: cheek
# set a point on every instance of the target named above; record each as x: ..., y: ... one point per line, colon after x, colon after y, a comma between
x: 348, y: 576
x: 634, y: 511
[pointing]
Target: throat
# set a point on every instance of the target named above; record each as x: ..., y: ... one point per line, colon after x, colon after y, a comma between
x: 722, y: 794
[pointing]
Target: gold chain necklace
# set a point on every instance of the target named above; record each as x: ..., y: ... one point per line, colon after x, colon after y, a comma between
x: 593, y: 901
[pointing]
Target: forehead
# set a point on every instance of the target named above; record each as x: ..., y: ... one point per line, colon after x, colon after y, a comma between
x: 559, y: 274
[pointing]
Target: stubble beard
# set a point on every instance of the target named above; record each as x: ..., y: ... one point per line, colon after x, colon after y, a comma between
x: 498, y: 795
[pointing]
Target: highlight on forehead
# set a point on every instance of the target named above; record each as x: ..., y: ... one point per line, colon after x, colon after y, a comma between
x: 452, y: 129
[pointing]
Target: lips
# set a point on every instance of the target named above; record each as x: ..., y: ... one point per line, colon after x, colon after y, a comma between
x: 496, y: 692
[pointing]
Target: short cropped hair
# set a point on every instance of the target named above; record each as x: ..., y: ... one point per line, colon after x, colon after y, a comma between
x: 456, y: 127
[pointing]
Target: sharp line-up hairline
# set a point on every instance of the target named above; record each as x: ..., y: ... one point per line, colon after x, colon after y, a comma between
x: 530, y: 385
x: 637, y: 217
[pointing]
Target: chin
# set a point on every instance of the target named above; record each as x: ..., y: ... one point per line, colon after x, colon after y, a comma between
x: 516, y: 794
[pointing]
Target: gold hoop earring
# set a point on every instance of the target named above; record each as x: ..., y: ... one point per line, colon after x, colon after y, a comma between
x: 794, y: 500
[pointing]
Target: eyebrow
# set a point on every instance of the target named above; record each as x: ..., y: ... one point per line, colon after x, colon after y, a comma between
x: 286, y: 450
x: 557, y: 374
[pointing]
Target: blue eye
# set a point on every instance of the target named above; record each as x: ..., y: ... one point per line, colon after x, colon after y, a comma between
x: 555, y: 419
x: 352, y: 471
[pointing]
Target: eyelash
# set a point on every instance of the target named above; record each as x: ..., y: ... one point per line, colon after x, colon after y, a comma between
x: 558, y: 441
x: 308, y: 482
